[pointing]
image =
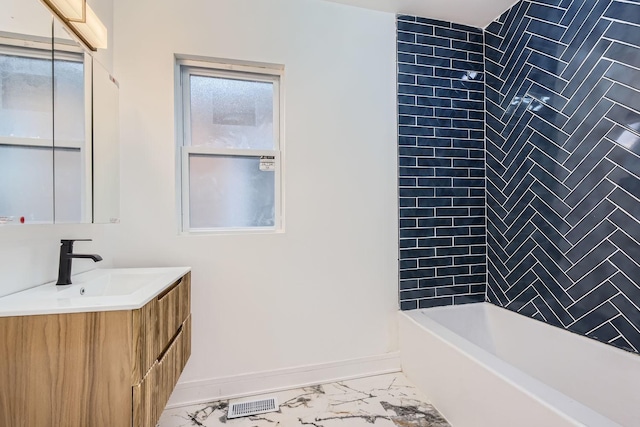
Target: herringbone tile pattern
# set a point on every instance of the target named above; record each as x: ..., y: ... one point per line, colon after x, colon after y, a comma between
x: 563, y: 165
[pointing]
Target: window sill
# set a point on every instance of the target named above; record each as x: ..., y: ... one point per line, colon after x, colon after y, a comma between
x: 231, y: 231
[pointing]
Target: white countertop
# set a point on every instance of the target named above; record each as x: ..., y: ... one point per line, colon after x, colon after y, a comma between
x: 96, y: 290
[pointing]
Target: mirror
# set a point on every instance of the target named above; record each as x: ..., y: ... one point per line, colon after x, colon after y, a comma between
x: 59, y: 155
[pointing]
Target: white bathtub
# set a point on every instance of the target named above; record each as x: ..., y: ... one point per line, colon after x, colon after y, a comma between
x: 482, y: 365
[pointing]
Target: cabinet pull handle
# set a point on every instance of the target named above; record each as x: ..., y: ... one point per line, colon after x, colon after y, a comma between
x: 171, y: 342
x: 169, y: 289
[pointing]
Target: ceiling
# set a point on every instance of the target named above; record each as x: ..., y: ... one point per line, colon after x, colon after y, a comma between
x: 477, y: 13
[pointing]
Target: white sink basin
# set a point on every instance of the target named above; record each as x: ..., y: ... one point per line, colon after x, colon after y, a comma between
x: 112, y: 283
x: 96, y: 290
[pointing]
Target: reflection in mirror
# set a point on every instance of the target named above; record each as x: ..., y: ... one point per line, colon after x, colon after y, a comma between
x: 26, y: 113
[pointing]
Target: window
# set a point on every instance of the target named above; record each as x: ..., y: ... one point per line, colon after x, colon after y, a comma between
x: 229, y: 146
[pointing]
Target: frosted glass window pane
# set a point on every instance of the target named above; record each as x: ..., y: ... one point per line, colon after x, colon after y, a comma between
x: 69, y: 101
x: 26, y: 183
x: 26, y: 97
x: 227, y: 113
x: 68, y: 185
x: 230, y: 191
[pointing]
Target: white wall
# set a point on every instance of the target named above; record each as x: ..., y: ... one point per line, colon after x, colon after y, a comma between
x: 29, y: 253
x: 28, y: 17
x: 477, y: 13
x: 104, y: 10
x: 326, y: 289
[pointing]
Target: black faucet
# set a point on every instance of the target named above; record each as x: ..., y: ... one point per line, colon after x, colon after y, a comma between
x: 66, y: 255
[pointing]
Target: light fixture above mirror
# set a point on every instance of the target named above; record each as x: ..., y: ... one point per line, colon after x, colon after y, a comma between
x: 81, y: 20
x: 70, y: 10
x: 92, y: 31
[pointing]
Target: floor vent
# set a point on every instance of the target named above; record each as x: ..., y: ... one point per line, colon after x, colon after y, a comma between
x: 254, y: 407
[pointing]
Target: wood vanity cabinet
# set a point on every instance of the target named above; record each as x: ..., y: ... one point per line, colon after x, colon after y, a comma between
x: 95, y: 369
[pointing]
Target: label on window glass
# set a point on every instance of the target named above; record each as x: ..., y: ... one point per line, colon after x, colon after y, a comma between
x: 267, y: 163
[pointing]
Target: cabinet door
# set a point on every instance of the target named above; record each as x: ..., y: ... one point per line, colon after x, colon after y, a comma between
x: 65, y: 370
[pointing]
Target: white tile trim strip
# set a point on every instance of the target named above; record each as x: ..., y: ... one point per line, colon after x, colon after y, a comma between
x: 194, y: 392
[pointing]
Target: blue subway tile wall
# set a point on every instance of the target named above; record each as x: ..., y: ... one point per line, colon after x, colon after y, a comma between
x: 563, y: 165
x: 441, y: 163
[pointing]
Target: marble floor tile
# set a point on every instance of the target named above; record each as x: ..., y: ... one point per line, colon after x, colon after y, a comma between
x: 384, y: 400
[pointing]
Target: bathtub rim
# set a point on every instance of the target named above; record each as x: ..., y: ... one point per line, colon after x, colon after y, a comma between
x: 561, y: 404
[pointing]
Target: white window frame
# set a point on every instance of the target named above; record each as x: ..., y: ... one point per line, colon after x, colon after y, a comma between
x: 237, y: 71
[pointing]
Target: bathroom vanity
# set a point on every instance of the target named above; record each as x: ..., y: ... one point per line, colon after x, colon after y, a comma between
x: 105, y: 351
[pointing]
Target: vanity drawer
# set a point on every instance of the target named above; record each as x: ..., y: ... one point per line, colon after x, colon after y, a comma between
x: 151, y: 395
x: 143, y: 402
x: 171, y: 365
x: 155, y: 324
x: 173, y: 307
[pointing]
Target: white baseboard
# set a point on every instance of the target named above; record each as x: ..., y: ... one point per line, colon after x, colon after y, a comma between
x: 202, y: 391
